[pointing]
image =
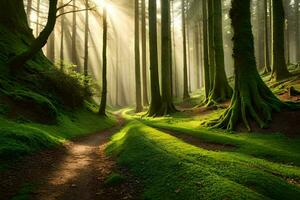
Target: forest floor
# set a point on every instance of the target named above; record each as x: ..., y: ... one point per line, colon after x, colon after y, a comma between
x: 77, y: 170
x: 172, y: 157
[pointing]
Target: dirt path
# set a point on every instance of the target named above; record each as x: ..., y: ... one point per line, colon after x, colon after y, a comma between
x: 77, y: 171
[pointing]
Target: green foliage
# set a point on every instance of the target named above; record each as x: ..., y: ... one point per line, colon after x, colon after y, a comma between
x: 114, y: 179
x: 172, y: 169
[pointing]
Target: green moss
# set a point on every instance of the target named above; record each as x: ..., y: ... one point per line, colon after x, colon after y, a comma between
x: 114, y: 179
x: 172, y: 169
x: 17, y: 139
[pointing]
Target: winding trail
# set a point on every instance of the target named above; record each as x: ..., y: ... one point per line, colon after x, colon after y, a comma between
x: 76, y: 171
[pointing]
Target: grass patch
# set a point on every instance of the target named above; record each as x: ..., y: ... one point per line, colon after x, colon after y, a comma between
x: 19, y: 139
x: 172, y: 169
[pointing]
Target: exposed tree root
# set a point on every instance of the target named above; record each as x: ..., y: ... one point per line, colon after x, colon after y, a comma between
x: 165, y: 109
x: 253, y: 101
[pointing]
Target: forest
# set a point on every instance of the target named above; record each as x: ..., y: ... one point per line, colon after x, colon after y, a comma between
x: 149, y: 99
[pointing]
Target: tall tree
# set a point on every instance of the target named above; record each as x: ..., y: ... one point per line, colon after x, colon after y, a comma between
x: 74, y: 36
x: 221, y: 90
x: 266, y: 39
x: 29, y: 9
x: 280, y: 70
x: 252, y: 98
x: 166, y: 63
x: 86, y: 42
x: 62, y: 33
x: 51, y: 47
x: 38, y: 10
x: 102, y: 109
x: 155, y: 103
x: 212, y: 61
x: 144, y: 54
x: 138, y: 91
x: 205, y: 49
x: 185, y: 66
x: 37, y: 44
x: 297, y: 7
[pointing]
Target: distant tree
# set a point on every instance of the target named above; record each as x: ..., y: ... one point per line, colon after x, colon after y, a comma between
x: 144, y: 54
x: 74, y: 36
x: 297, y: 7
x: 156, y: 102
x: 86, y: 42
x: 252, y: 98
x: 62, y: 33
x: 280, y: 70
x: 266, y: 39
x: 185, y: 65
x: 38, y: 10
x: 102, y: 109
x: 205, y: 49
x: 28, y: 11
x: 138, y: 94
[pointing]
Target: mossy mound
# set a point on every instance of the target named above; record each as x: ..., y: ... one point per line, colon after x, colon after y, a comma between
x: 39, y: 90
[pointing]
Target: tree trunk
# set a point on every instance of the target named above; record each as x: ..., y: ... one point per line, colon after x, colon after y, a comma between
x: 51, y: 47
x: 280, y: 70
x: 174, y: 74
x: 62, y: 30
x: 252, y: 98
x: 166, y: 63
x: 102, y: 109
x: 205, y: 50
x: 266, y: 40
x: 38, y: 10
x: 74, y: 38
x: 155, y: 104
x: 138, y: 91
x: 144, y: 55
x: 28, y: 11
x: 36, y: 46
x: 212, y: 60
x: 297, y: 31
x: 86, y: 43
x: 185, y: 67
x: 221, y: 90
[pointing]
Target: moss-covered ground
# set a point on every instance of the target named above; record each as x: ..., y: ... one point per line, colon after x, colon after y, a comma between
x: 259, y: 166
x: 18, y: 139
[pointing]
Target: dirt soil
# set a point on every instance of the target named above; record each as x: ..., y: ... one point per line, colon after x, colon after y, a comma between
x: 77, y: 170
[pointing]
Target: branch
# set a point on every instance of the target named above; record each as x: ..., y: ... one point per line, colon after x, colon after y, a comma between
x: 74, y: 11
x: 65, y: 5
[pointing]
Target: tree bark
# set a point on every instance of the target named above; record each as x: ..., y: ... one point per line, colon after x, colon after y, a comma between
x: 221, y: 90
x: 86, y: 43
x: 252, y: 98
x: 138, y: 91
x: 36, y: 46
x: 155, y: 104
x: 62, y: 30
x: 74, y: 37
x: 185, y: 67
x: 266, y: 40
x: 144, y: 55
x: 166, y: 63
x: 102, y: 109
x: 280, y: 70
x: 205, y: 50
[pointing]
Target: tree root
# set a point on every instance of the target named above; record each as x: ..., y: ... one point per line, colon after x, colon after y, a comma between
x: 256, y: 102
